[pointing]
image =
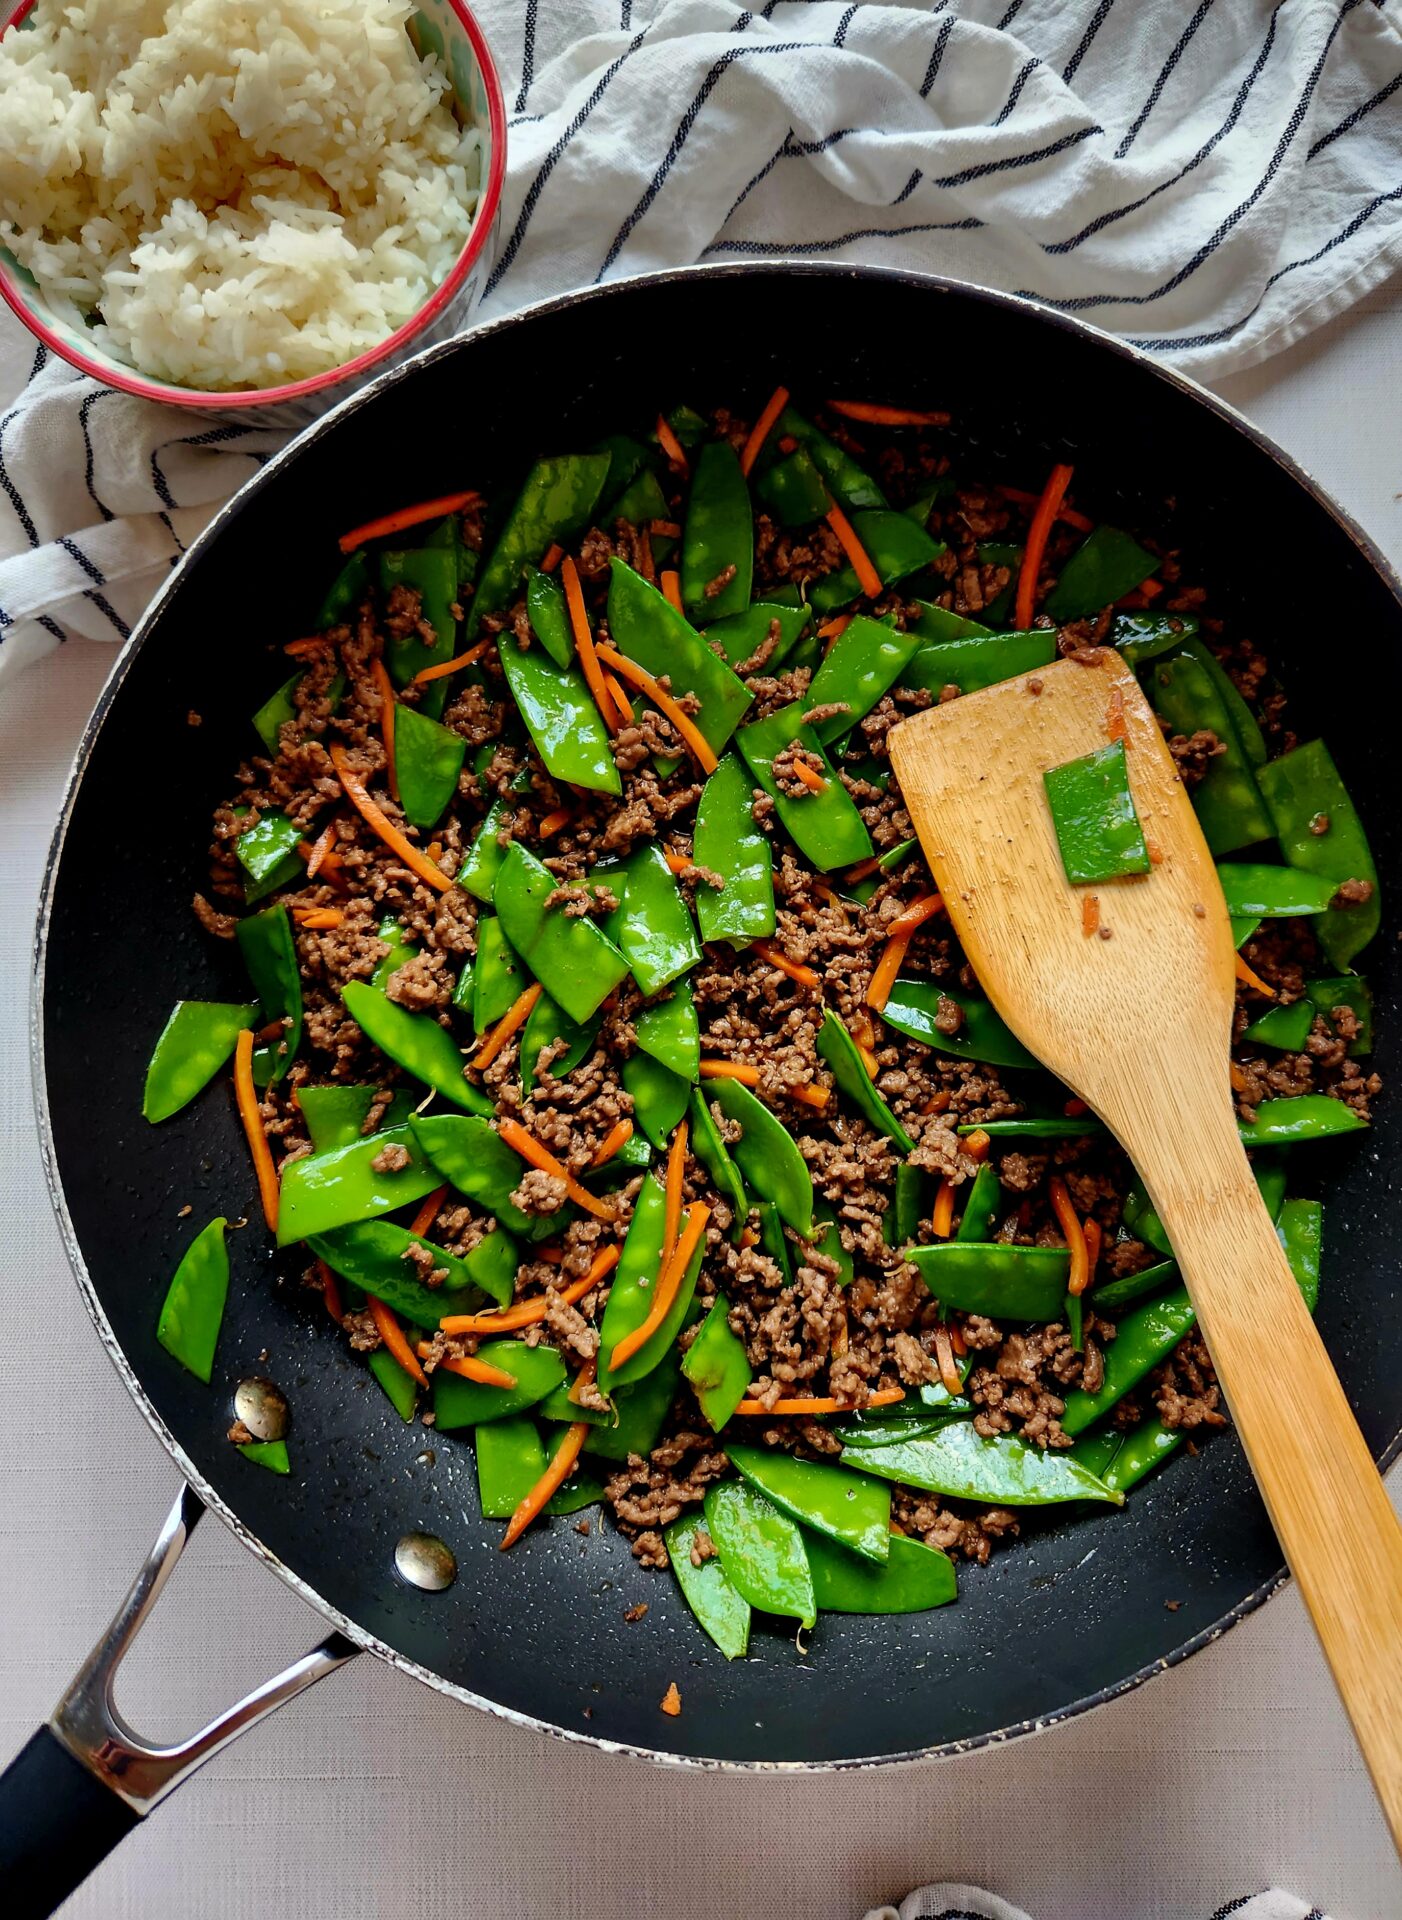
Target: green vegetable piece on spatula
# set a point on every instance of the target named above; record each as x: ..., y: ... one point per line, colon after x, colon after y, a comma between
x: 1092, y: 810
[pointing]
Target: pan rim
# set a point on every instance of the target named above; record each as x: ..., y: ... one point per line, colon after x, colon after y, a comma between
x: 932, y: 284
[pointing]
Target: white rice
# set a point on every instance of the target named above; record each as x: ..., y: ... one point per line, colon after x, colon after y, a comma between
x: 247, y: 192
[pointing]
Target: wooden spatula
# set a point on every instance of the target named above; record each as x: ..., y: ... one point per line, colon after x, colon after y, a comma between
x: 1136, y: 1018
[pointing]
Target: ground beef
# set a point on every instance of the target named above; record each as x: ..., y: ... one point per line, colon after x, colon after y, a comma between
x: 540, y: 1193
x: 390, y: 1159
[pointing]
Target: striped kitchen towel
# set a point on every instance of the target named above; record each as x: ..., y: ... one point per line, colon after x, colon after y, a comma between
x: 1210, y: 180
x: 950, y: 1902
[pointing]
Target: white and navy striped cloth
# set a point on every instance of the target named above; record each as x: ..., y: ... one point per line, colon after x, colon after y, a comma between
x: 950, y: 1902
x: 1209, y: 179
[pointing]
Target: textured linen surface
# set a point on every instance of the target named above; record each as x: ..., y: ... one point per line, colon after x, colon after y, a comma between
x: 950, y: 1902
x: 1211, y: 181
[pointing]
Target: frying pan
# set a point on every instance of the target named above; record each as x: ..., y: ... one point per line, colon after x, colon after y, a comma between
x: 1074, y: 1614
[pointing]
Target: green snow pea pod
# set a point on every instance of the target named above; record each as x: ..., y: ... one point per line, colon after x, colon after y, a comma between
x: 479, y: 870
x: 826, y: 827
x: 865, y: 663
x: 545, y: 1023
x: 645, y: 626
x: 324, y: 1191
x: 887, y: 862
x: 1284, y: 1027
x: 1305, y: 1116
x: 641, y: 502
x: 716, y: 1365
x: 876, y: 1431
x: 427, y: 760
x: 727, y: 841
x: 719, y: 1608
x: 194, y: 1044
x: 472, y: 1156
x: 659, y: 1096
x: 549, y: 616
x: 631, y: 1296
x: 942, y: 488
x: 267, y: 853
x: 652, y: 926
x: 345, y: 593
x: 447, y: 532
x: 854, y: 1083
x: 1252, y: 889
x: 335, y: 1116
x: 400, y: 1388
x: 1300, y: 1230
x: 468, y: 1403
x: 1134, y: 1286
x: 714, y: 1155
x: 771, y: 1238
x: 1227, y: 800
x: 767, y: 1155
x: 896, y: 547
x: 1040, y: 1126
x: 1144, y: 1447
x: 641, y: 1413
x: 718, y: 536
x: 627, y: 459
x: 271, y: 1454
x: 849, y: 483
x: 373, y: 1255
x: 1092, y: 810
x: 559, y: 1408
x: 761, y: 1551
x: 1005, y: 1282
x: 193, y: 1309
x: 580, y: 1489
x: 793, y: 490
x: 671, y: 1033
x: 574, y: 960
x: 270, y: 954
x: 935, y: 623
x: 561, y: 718
x: 913, y: 1009
x: 556, y: 502
x: 688, y: 425
x: 1143, y: 1222
x: 960, y: 1463
x: 510, y: 1460
x: 400, y: 951
x: 1144, y: 636
x: 937, y: 1397
x: 914, y: 1579
x: 742, y: 634
x: 414, y: 1041
x: 1248, y: 727
x: 1095, y: 1451
x: 1353, y: 993
x: 828, y: 1241
x: 274, y: 715
x: 908, y: 1207
x: 433, y: 573
x: 1107, y: 566
x: 1146, y: 1337
x: 847, y: 1507
x: 1000, y: 553
x: 981, y: 1208
x: 1243, y: 926
x: 1320, y: 832
x: 978, y: 660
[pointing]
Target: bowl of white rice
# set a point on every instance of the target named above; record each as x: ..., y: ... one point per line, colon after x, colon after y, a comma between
x: 246, y: 206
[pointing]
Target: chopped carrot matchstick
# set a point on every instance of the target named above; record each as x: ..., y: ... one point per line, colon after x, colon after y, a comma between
x: 549, y: 1483
x: 834, y: 631
x: 1116, y: 727
x: 551, y: 558
x: 944, y: 1355
x: 676, y: 1174
x: 884, y: 1397
x: 375, y: 817
x: 617, y: 1137
x: 664, y: 529
x: 527, y: 1313
x: 442, y: 668
x: 910, y: 918
x: 321, y: 846
x: 1090, y: 1227
x: 692, y: 737
x: 552, y: 822
x: 670, y: 445
x: 795, y: 969
x: 392, y: 1334
x: 535, y: 1155
x: 246, y: 1097
x: 671, y: 1701
x: 330, y: 1291
x: 620, y: 700
x: 1042, y: 521
x: 671, y: 584
x: 303, y: 649
x: 748, y: 1076
x: 866, y: 573
x: 1252, y: 980
x: 428, y: 1212
x: 319, y: 919
x: 887, y: 967
x: 872, y: 414
x: 1090, y: 914
x: 669, y: 1280
x: 1072, y: 1232
x: 406, y: 517
x: 515, y: 1016
x: 1080, y: 521
x: 386, y: 693
x: 815, y: 782
x: 863, y: 869
x: 762, y: 428
x: 584, y: 644
x: 942, y: 1219
x: 469, y: 1368
x: 679, y: 862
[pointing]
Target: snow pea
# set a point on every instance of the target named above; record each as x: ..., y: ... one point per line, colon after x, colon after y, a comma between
x: 1244, y: 721
x: 479, y: 870
x: 323, y: 1191
x: 866, y: 661
x: 268, y: 855
x: 1243, y: 926
x: 640, y: 1413
x: 193, y: 1309
x: 414, y: 1041
x: 271, y: 1454
x: 1134, y: 1286
x: 561, y: 718
x: 908, y: 1205
x: 848, y: 1069
x: 433, y: 572
x: 1303, y: 790
x: 961, y: 1464
x: 924, y: 505
x: 1095, y: 1451
x: 627, y: 459
x: 652, y: 926
x: 826, y: 827
x: 719, y: 1608
x: 850, y: 484
x: 1144, y: 636
x: 670, y: 1031
x: 767, y: 1155
x: 645, y: 626
x: 887, y: 1432
x: 468, y: 1403
x: 1039, y: 1126
x: 643, y: 500
x: 982, y: 1034
x: 716, y: 1365
x: 345, y: 593
x: 1092, y: 810
x: 472, y: 1156
x: 896, y: 547
x: 914, y: 1579
x: 510, y: 1460
x: 1305, y: 1116
x: 828, y: 1241
x: 771, y: 1238
x: 555, y: 503
x: 427, y: 761
x: 400, y: 951
x: 581, y: 1487
x: 1108, y: 565
x: 194, y: 1044
x: 978, y: 660
x: 742, y: 634
x: 981, y: 1208
x: 574, y: 960
x: 630, y: 1298
x: 714, y: 1156
x: 1005, y: 1282
x: 274, y: 715
x: 1252, y: 889
x: 1145, y: 1338
x: 559, y: 1408
x: 400, y: 1388
x: 1227, y: 800
x: 659, y: 1096
x: 335, y: 1116
x: 761, y: 1551
x: 846, y: 1507
x: 546, y: 1022
x: 447, y: 532
x: 1284, y: 1027
x: 935, y: 623
x: 1142, y: 1449
x: 689, y: 426
x: 794, y: 490
x: 549, y: 616
x: 1000, y: 553
x: 1300, y: 1230
x: 719, y: 533
x: 887, y: 862
x: 270, y: 954
x: 374, y: 1255
x: 1141, y: 1220
x: 727, y: 841
x: 1351, y: 992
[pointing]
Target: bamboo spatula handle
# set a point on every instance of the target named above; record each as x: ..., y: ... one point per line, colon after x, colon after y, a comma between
x: 1325, y: 1497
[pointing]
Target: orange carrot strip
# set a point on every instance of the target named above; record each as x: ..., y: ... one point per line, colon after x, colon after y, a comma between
x: 584, y: 643
x: 331, y: 863
x: 405, y: 517
x: 693, y: 739
x: 1151, y: 589
x: 671, y: 584
x: 664, y: 529
x: 392, y: 1334
x: 977, y: 1145
x: 1081, y: 521
x: 302, y: 649
x: 376, y: 818
x: 942, y: 1219
x: 956, y: 1339
x: 515, y: 1016
x: 331, y: 1292
x: 915, y: 915
x: 321, y: 846
x: 676, y: 1174
x: 795, y: 969
x: 678, y: 862
x: 861, y: 561
x: 319, y: 919
x: 810, y: 1095
x: 834, y: 631
x: 884, y: 1397
x: 1090, y: 1227
x: 730, y: 1070
x: 443, y: 668
x: 1115, y: 725
x: 618, y: 1136
x: 944, y: 1354
x: 1154, y: 851
x: 1073, y: 1233
x: 670, y: 445
x: 554, y: 1477
x: 1047, y: 509
x: 481, y: 1371
x: 1250, y: 979
x: 1074, y: 1108
x: 246, y: 1097
x: 620, y: 700
x: 863, y: 869
x: 428, y: 1212
x: 553, y: 822
x: 872, y: 414
x: 763, y: 427
x: 869, y: 1060
x: 386, y: 693
x: 551, y: 558
x: 815, y: 782
x: 884, y: 978
x: 1090, y: 914
x: 647, y: 566
x: 526, y: 1313
x: 671, y: 1701
x: 535, y: 1155
x: 669, y: 1280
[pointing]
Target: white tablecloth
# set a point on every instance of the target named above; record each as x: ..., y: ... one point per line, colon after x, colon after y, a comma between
x: 376, y: 1798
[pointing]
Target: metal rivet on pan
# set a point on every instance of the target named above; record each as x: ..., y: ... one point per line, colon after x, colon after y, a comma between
x: 425, y: 1561
x: 262, y: 1407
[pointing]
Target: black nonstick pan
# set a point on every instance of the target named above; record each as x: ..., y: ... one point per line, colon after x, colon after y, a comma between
x: 1075, y: 1613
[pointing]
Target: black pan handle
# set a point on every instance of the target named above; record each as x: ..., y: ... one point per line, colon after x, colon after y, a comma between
x: 84, y: 1780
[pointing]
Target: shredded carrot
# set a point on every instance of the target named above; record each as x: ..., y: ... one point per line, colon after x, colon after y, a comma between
x: 795, y: 969
x: 386, y: 693
x: 246, y: 1096
x: 670, y: 445
x: 834, y: 631
x: 303, y: 649
x: 1253, y: 980
x: 730, y: 1070
x: 331, y: 1291
x: 376, y: 818
x: 762, y: 428
x: 671, y: 584
x: 647, y: 566
x: 676, y: 1175
x: 554, y: 1477
x: 942, y: 1219
x: 679, y: 862
x: 527, y: 1313
x: 863, y: 1032
x: 810, y: 1095
x: 469, y: 1368
x: 884, y: 1397
x: 1090, y: 913
x: 869, y: 1060
x: 692, y: 738
x: 914, y: 916
x: 405, y: 517
x: 535, y: 1155
x: 331, y: 863
x: 831, y: 899
x: 1151, y: 589
x: 552, y: 557
x: 664, y: 529
x: 443, y: 668
x: 1081, y: 521
x: 815, y: 782
x: 1072, y: 1232
x: 321, y: 846
x: 1074, y: 1108
x: 1090, y: 1227
x: 620, y: 700
x: 1046, y: 511
x: 944, y: 1354
x: 428, y: 1212
x: 861, y: 561
x: 977, y: 1144
x: 671, y: 1702
x: 863, y: 869
x: 1115, y: 726
x: 515, y: 1017
x: 884, y: 978
x: 584, y: 644
x: 552, y: 822
x: 1238, y: 1078
x: 669, y: 1280
x: 956, y: 1339
x: 319, y: 919
x: 1154, y: 851
x: 392, y: 1335
x: 871, y: 414
x: 617, y: 1137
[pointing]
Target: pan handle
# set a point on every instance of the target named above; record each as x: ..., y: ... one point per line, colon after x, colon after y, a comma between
x: 86, y: 1778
